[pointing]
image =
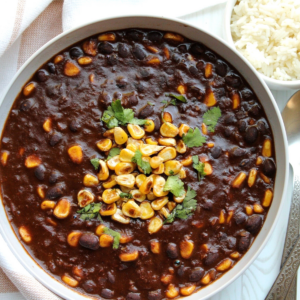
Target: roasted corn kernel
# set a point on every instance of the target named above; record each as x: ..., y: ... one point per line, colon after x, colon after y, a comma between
x: 136, y: 131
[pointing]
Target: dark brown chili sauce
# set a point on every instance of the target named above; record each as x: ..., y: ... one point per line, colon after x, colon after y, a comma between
x: 226, y: 220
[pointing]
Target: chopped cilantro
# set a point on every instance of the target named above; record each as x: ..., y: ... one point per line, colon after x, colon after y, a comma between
x: 199, y: 166
x: 113, y: 152
x: 91, y: 211
x: 150, y: 103
x: 116, y: 235
x: 178, y: 97
x: 175, y: 186
x: 95, y: 163
x: 211, y: 117
x: 194, y: 138
x: 185, y: 209
x: 144, y: 165
x: 126, y: 195
x: 172, y: 101
x: 171, y: 172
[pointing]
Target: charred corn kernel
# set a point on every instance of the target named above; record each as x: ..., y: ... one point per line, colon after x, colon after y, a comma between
x: 259, y: 161
x: 210, y: 99
x: 186, y: 248
x: 71, y: 69
x: 109, y: 36
x: 258, y: 208
x: 235, y: 255
x: 84, y: 198
x: 130, y: 147
x: 148, y: 150
x: 239, y: 179
x: 73, y: 238
x: 48, y: 204
x: 28, y: 89
x: 51, y: 222
x: 138, y: 196
x: 123, y: 168
x: 100, y: 229
x: 210, y: 145
x: 183, y: 129
x: 267, y: 198
x: 187, y: 290
x: 40, y: 191
x: 174, y: 37
x: 167, y: 129
x: 146, y: 211
x: 167, y: 154
x: 166, y: 278
x: 103, y: 173
x: 204, y: 248
x: 267, y: 148
x: 208, y: 168
x: 172, y: 167
x: 204, y: 129
x: 108, y: 209
x: 131, y: 256
x: 126, y: 155
x: 182, y: 173
x: 135, y: 142
x: 222, y: 217
x: 140, y: 179
x: 164, y: 212
x: 32, y: 161
x: 111, y: 182
x: 104, y: 145
x: 235, y: 101
x: 181, y: 89
x: 252, y: 177
x: 4, y: 157
x: 181, y: 147
x: 149, y: 126
x: 155, y: 161
x: 90, y: 180
x: 152, y: 49
x: 85, y: 60
x: 111, y: 163
x: 224, y: 265
x: 120, y: 217
x: 155, y: 225
x: 264, y: 177
x: 172, y: 291
x: 151, y: 196
x: 92, y: 77
x: 167, y: 117
x: 111, y: 195
x: 151, y: 141
x: 136, y: 131
x: 166, y: 52
x: 153, y: 61
x: 208, y: 70
x: 159, y: 170
x: 120, y: 136
x: 249, y: 210
x: 171, y: 205
x: 179, y: 199
x: 21, y: 151
x: 159, y: 203
x: 147, y: 185
x: 187, y: 161
x: 109, y: 133
x: 167, y: 141
x: 125, y: 189
x: 155, y: 246
x: 125, y: 238
x: 58, y: 59
x: 62, y: 209
x: 75, y: 153
x: 25, y: 234
x: 127, y: 180
x: 47, y: 126
x: 105, y: 240
x: 158, y: 186
x: 206, y: 279
x: 230, y: 215
x: 67, y: 279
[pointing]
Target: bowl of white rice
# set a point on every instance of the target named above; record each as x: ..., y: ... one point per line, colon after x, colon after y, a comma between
x: 267, y: 34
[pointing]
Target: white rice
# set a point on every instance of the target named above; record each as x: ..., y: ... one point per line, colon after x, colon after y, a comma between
x: 267, y: 33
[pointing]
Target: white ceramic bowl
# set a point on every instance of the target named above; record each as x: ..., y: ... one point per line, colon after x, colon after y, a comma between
x: 68, y: 38
x: 272, y: 83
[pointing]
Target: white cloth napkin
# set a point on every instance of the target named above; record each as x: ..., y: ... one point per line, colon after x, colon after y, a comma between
x: 25, y: 26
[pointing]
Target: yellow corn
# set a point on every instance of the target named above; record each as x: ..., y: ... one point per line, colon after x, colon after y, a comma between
x: 127, y: 180
x: 148, y: 150
x: 111, y: 195
x: 131, y: 209
x: 126, y: 155
x: 132, y: 147
x: 140, y: 179
x: 167, y: 141
x: 167, y: 129
x: 123, y: 168
x: 120, y: 136
x: 84, y: 198
x: 135, y: 142
x: 155, y: 225
x: 149, y: 126
x: 108, y: 210
x: 172, y: 167
x: 252, y: 177
x: 182, y: 173
x: 151, y: 141
x: 155, y: 162
x: 104, y: 145
x: 146, y: 186
x: 181, y: 147
x: 146, y: 211
x: 187, y: 161
x: 159, y: 203
x: 183, y: 129
x: 167, y: 154
x: 111, y: 182
x: 167, y: 117
x: 111, y: 163
x: 158, y: 186
x: 136, y: 131
x: 103, y: 173
x: 267, y: 198
x: 159, y: 170
x: 137, y: 195
x: 267, y: 148
x: 90, y: 180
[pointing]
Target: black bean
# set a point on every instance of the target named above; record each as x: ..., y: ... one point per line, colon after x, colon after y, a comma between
x: 133, y: 296
x: 74, y: 125
x: 229, y: 119
x: 42, y: 75
x: 54, y: 192
x: 146, y: 111
x: 51, y: 67
x: 216, y: 152
x: 196, y: 274
x: 55, y: 139
x: 251, y: 134
x: 172, y: 250
x: 211, y: 258
x: 241, y: 114
x: 233, y: 80
x: 221, y: 68
x: 261, y: 126
x: 255, y: 110
x: 140, y: 87
x: 210, y: 56
x: 157, y: 122
x: 89, y: 241
x: 207, y: 204
x: 121, y: 83
x: 107, y: 294
x: 239, y: 218
x: 155, y: 36
x: 155, y: 295
x: 194, y: 71
x: 244, y: 241
x: 26, y: 105
x: 242, y: 126
x: 135, y: 35
x: 237, y: 152
x: 269, y: 167
x: 231, y: 241
x: 130, y: 100
x: 111, y: 277
x: 181, y: 270
x: 176, y: 58
x: 227, y: 132
x: 123, y: 50
x: 76, y: 52
x: 89, y: 286
x: 105, y: 48
x: 112, y: 60
x: 244, y: 163
x: 253, y: 223
x: 197, y: 49
x: 138, y: 52
x: 182, y: 48
x: 145, y: 74
x: 247, y: 94
x: 54, y: 176
x: 39, y: 172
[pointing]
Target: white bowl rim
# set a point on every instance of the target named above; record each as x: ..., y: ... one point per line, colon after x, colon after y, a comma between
x: 278, y: 114
x: 292, y: 84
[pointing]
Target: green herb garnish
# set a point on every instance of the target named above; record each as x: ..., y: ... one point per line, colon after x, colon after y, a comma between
x: 194, y: 138
x: 199, y: 166
x: 150, y: 103
x: 144, y: 165
x: 116, y: 235
x: 175, y: 186
x: 211, y: 117
x: 113, y: 152
x: 95, y: 163
x: 126, y: 195
x: 185, y: 209
x: 91, y: 211
x: 178, y: 97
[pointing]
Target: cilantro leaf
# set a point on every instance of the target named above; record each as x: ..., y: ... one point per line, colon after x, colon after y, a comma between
x: 116, y: 235
x: 211, y: 117
x: 109, y: 119
x: 185, y: 209
x: 95, y: 163
x: 150, y: 103
x: 136, y: 121
x: 178, y: 97
x: 199, y: 166
x: 144, y: 165
x: 113, y: 152
x: 175, y: 186
x: 91, y: 211
x: 126, y: 195
x: 194, y: 138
